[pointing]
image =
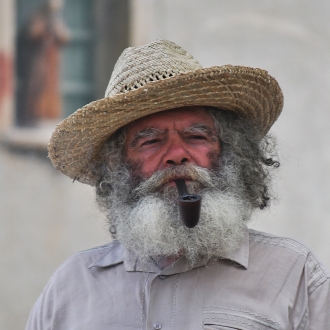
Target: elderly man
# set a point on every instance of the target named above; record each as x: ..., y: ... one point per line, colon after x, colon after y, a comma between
x: 164, y: 123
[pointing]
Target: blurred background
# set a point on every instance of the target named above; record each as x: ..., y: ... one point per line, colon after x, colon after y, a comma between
x: 56, y: 56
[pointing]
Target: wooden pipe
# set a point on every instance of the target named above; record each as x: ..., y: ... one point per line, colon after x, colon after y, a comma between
x: 189, y: 205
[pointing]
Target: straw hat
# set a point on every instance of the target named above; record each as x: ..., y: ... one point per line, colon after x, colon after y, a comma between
x: 152, y: 78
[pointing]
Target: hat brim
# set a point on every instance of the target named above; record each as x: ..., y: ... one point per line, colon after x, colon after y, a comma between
x: 251, y: 93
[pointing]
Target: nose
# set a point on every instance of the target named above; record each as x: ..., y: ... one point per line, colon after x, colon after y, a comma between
x: 176, y: 152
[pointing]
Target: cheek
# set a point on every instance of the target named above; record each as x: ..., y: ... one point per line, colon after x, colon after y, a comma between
x: 146, y: 169
x: 214, y: 159
x: 208, y: 157
x: 149, y: 161
x: 140, y: 168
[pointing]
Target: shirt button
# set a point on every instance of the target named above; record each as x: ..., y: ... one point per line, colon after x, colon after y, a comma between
x: 162, y: 277
x: 157, y: 326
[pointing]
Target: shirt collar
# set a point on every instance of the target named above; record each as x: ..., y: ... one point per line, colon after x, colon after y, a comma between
x: 241, y: 254
x: 116, y: 253
x: 112, y: 255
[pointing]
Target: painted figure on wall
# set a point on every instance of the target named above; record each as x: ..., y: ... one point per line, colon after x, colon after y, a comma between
x: 38, y: 59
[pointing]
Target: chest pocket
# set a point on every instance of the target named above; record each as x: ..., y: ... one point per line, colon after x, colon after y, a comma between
x: 220, y: 318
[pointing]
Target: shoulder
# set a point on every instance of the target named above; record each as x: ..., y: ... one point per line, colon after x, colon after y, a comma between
x: 89, y: 256
x: 77, y: 274
x: 261, y: 238
x: 79, y: 267
x: 291, y: 254
x: 73, y: 284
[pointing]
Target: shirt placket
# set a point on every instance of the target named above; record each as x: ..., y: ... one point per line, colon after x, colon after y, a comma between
x: 160, y: 301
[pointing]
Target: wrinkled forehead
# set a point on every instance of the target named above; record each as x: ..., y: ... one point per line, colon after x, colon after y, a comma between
x: 173, y: 119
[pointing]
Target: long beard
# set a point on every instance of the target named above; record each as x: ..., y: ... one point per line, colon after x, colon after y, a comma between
x: 145, y: 217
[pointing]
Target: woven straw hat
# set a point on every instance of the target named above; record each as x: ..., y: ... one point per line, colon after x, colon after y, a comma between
x: 152, y: 78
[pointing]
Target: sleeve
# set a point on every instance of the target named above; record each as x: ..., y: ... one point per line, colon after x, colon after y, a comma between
x: 318, y: 291
x: 36, y: 319
x: 48, y: 313
x: 42, y: 315
x: 319, y: 307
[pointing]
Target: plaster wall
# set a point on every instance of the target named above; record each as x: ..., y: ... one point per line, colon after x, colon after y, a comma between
x: 45, y: 218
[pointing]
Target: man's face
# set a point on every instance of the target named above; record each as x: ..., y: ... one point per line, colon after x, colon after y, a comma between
x: 142, y: 201
x: 174, y: 137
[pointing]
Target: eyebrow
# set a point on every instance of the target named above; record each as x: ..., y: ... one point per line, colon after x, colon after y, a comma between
x: 201, y: 128
x: 149, y: 131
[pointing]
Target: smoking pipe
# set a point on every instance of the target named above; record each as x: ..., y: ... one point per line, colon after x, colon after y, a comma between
x: 189, y: 205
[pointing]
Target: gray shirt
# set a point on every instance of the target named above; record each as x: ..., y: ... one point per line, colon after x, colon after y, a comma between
x: 268, y: 283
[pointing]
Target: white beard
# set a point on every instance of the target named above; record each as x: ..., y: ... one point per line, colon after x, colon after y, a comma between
x: 152, y: 227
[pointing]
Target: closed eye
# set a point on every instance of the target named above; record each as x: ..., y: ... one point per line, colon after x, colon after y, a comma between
x: 197, y: 137
x: 152, y: 141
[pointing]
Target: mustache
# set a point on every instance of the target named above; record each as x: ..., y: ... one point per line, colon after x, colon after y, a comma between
x: 204, y: 177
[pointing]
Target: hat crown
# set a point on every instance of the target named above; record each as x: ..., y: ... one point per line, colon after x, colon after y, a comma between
x: 138, y: 66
